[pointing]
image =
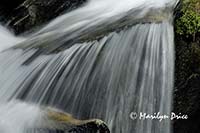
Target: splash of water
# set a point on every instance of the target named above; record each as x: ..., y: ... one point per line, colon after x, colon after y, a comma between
x: 7, y: 39
x: 64, y: 66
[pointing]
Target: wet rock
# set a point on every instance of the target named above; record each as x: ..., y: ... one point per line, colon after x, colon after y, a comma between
x: 187, y: 85
x: 6, y: 8
x: 187, y: 76
x: 28, y: 14
x: 73, y: 125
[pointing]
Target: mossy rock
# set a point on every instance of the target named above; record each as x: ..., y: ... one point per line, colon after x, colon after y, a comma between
x: 187, y: 24
x: 187, y: 85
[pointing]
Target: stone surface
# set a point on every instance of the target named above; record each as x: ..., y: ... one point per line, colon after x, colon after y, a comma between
x: 24, y: 15
x: 187, y: 81
x: 187, y: 85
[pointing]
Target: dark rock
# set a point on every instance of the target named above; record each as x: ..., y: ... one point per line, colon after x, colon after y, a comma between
x: 90, y: 127
x: 188, y: 98
x: 187, y: 85
x: 24, y: 16
x: 187, y: 79
x: 6, y: 8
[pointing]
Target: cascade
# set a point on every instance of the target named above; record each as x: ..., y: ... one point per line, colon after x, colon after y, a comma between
x: 104, y: 60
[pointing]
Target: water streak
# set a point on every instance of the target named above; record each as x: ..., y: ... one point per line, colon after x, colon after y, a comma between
x: 124, y: 71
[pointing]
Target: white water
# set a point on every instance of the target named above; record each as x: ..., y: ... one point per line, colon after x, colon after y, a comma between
x: 12, y: 119
x: 7, y: 39
x: 98, y: 12
x: 125, y: 71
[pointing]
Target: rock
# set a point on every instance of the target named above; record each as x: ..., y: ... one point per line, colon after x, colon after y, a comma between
x: 187, y: 77
x: 32, y: 13
x: 6, y: 8
x: 187, y: 101
x: 187, y: 85
x: 73, y: 125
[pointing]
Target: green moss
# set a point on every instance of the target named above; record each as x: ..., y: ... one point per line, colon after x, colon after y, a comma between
x: 188, y: 24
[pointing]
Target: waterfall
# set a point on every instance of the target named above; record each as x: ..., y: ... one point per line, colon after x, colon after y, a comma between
x: 7, y: 39
x: 104, y: 60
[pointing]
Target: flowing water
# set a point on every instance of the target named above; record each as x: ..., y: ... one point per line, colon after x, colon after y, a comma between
x: 7, y: 39
x: 104, y: 60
